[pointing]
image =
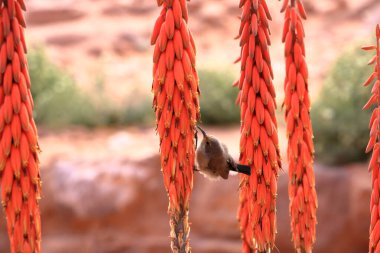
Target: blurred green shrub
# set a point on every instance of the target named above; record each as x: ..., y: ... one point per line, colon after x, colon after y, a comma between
x: 218, y: 97
x: 340, y: 126
x: 58, y: 102
x: 138, y: 112
x: 136, y: 109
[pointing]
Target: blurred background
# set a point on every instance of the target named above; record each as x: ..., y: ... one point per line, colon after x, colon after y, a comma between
x: 90, y: 64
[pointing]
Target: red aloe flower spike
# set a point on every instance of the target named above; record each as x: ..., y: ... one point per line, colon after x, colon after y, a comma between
x: 373, y: 145
x: 176, y: 103
x: 19, y: 163
x: 259, y: 140
x: 302, y: 194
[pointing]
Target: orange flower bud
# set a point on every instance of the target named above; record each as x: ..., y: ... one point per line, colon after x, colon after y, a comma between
x: 300, y: 145
x: 373, y: 145
x: 259, y: 130
x: 175, y: 88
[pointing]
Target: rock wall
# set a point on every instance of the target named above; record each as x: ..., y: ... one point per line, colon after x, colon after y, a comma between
x: 121, y: 207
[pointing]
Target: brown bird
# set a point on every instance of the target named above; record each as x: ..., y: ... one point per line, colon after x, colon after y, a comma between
x: 213, y: 159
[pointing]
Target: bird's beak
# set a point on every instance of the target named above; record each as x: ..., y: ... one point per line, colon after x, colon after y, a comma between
x: 203, y: 131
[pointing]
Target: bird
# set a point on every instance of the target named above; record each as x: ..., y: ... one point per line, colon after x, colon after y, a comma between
x: 213, y: 159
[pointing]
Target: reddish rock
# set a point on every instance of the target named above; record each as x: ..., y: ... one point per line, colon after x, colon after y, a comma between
x: 105, y: 195
x: 95, y: 205
x: 66, y: 40
x: 51, y: 16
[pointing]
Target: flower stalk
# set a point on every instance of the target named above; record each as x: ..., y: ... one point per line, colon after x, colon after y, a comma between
x: 176, y: 104
x: 19, y: 163
x: 374, y: 144
x: 259, y: 139
x: 302, y: 193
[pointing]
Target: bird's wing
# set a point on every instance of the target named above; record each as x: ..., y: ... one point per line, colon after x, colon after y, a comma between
x: 218, y: 168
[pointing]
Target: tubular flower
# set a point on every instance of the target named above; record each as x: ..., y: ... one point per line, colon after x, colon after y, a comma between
x: 373, y: 145
x: 19, y: 164
x: 176, y: 92
x: 259, y: 139
x: 302, y: 194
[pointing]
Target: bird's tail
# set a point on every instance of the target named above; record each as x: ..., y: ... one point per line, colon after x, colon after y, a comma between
x: 240, y: 168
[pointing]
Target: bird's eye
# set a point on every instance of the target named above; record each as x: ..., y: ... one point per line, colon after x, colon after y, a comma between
x: 208, y: 143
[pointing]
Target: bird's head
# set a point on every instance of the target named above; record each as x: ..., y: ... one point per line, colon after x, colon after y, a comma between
x: 209, y: 143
